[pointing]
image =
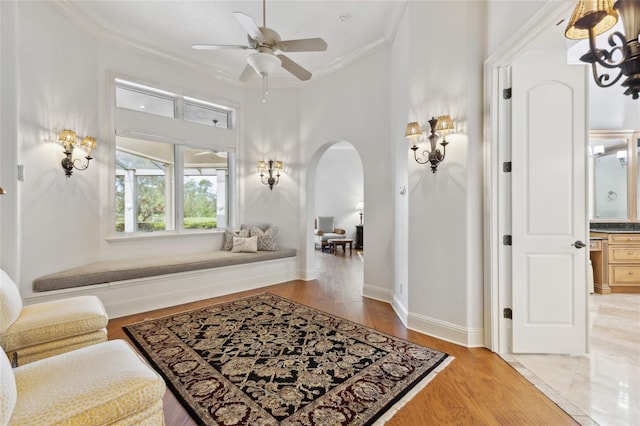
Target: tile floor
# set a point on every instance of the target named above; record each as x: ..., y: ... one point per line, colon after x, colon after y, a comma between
x: 602, y: 387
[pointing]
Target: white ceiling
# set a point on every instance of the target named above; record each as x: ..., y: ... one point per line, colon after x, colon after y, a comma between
x: 171, y: 27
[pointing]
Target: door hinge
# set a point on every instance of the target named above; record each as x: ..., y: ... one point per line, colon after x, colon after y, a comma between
x: 506, y: 240
x: 507, y: 313
x: 506, y: 167
x: 506, y: 93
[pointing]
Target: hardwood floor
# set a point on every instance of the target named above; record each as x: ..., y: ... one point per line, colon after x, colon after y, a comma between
x: 478, y: 387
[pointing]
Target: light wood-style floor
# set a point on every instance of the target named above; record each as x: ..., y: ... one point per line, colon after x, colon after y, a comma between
x: 478, y: 387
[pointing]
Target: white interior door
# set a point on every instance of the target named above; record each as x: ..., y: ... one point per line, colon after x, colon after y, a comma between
x: 549, y: 205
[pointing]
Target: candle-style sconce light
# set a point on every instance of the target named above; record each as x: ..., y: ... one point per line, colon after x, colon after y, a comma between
x: 273, y: 168
x: 443, y: 125
x: 69, y: 140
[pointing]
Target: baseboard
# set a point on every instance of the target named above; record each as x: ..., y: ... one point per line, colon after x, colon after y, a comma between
x: 464, y: 336
x: 129, y: 297
x: 377, y: 293
x: 400, y: 310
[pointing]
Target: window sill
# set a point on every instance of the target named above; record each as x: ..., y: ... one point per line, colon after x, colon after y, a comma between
x: 141, y: 236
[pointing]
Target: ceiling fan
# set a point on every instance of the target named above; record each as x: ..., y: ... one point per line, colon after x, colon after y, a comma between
x: 266, y: 42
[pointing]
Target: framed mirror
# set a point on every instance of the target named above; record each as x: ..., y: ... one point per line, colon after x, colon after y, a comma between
x: 613, y: 175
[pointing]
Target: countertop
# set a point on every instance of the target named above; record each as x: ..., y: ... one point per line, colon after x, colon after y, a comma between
x: 616, y: 231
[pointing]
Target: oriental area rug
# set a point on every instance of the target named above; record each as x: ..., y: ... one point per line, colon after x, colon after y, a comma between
x: 265, y: 360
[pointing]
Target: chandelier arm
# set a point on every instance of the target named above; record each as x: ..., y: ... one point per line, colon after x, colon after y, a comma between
x: 415, y: 155
x: 601, y: 80
x: 78, y: 161
x: 607, y: 62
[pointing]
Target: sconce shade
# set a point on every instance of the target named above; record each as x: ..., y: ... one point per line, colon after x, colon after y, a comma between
x: 413, y: 130
x: 279, y: 165
x: 445, y: 124
x: 360, y: 206
x: 67, y: 138
x: 597, y: 14
x: 89, y: 143
x: 262, y: 166
x: 264, y: 63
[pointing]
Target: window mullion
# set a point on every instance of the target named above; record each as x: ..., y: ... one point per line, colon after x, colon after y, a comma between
x: 178, y: 179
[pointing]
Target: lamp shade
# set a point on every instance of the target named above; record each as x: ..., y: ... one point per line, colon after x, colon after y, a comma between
x: 278, y: 165
x: 597, y: 14
x: 444, y: 124
x: 262, y: 166
x: 413, y: 129
x: 264, y: 63
x: 360, y: 206
x: 2, y: 191
x: 67, y: 137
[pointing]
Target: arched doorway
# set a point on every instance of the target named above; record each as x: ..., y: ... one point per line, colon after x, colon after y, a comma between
x: 335, y: 187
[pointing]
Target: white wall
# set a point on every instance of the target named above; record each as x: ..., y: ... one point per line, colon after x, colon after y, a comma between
x: 339, y: 187
x: 353, y: 105
x: 271, y: 131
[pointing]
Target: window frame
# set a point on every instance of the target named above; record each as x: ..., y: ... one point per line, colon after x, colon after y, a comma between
x: 125, y: 122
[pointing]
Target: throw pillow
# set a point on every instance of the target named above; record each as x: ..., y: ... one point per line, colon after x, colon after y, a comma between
x: 245, y: 245
x: 325, y: 223
x: 228, y: 237
x: 266, y: 239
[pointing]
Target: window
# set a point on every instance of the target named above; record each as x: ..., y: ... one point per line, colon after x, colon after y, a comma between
x: 162, y: 182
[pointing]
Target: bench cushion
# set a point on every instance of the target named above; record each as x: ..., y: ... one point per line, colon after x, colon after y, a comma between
x: 99, y: 384
x: 127, y: 269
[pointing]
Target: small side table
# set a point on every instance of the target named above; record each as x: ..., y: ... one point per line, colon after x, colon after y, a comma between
x: 335, y: 243
x: 359, y: 237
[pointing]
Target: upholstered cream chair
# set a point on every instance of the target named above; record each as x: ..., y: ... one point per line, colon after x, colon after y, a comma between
x: 103, y: 384
x: 37, y: 331
x: 324, y: 231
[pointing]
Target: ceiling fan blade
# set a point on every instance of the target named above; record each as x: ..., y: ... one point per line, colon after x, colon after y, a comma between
x: 247, y: 73
x: 303, y: 45
x: 218, y: 46
x: 249, y: 26
x: 294, y: 68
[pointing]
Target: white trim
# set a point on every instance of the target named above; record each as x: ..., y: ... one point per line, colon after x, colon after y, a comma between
x: 377, y: 293
x: 465, y: 336
x: 122, y: 298
x: 400, y: 309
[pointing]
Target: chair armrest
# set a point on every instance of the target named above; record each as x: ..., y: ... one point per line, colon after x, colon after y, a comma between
x: 339, y: 231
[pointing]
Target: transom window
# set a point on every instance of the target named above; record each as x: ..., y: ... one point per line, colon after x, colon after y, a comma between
x: 171, y: 172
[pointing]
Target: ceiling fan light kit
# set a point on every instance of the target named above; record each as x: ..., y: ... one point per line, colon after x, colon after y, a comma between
x: 267, y: 42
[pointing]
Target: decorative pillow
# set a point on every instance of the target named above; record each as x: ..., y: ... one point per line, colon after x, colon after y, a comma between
x: 228, y: 237
x: 266, y: 239
x: 245, y: 245
x: 325, y: 223
x: 10, y: 302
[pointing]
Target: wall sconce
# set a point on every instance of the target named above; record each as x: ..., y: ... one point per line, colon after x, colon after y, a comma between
x: 443, y: 125
x: 591, y: 18
x: 360, y: 208
x: 276, y: 166
x: 69, y: 139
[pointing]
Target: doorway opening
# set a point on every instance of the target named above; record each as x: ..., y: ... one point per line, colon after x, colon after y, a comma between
x: 337, y: 196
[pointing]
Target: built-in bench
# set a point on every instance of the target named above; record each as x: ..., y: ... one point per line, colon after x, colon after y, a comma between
x: 131, y: 269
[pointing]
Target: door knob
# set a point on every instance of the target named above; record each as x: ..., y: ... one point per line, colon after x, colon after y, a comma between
x: 579, y: 244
